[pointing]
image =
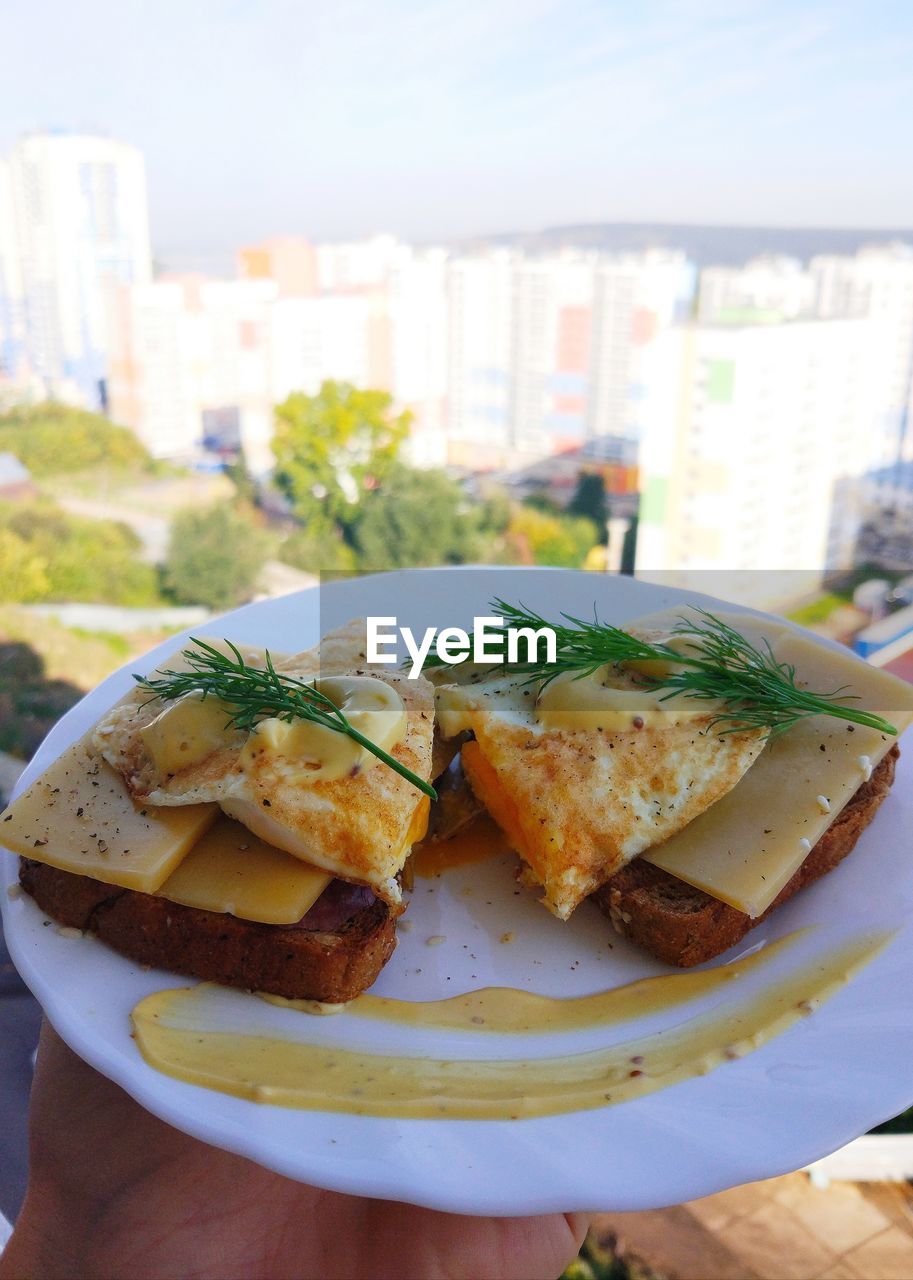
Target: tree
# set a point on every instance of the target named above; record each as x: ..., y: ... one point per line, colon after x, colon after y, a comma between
x: 415, y: 518
x: 51, y: 438
x: 538, y: 538
x: 334, y: 447
x: 79, y: 558
x: 323, y: 551
x: 542, y: 502
x: 214, y: 557
x: 23, y: 576
x: 590, y: 499
x: 629, y: 547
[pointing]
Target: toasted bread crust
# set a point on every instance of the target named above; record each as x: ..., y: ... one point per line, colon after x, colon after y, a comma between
x: 684, y: 926
x: 298, y: 963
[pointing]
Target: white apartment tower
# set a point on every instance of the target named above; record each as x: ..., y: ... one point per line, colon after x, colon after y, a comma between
x: 878, y: 283
x: 552, y: 299
x: 191, y: 359
x: 14, y: 364
x: 479, y: 359
x: 751, y: 433
x: 636, y: 298
x: 773, y: 284
x: 82, y: 232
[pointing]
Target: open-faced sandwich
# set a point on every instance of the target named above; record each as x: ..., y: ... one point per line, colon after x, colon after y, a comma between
x: 239, y: 817
x: 246, y: 818
x: 687, y: 774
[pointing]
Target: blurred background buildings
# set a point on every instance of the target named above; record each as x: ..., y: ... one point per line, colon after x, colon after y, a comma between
x: 758, y: 413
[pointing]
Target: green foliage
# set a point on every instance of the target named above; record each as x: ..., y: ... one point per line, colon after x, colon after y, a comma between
x: 334, y: 447
x: 538, y: 538
x: 51, y: 438
x: 899, y: 1124
x: 494, y: 513
x: 57, y: 556
x: 245, y: 485
x: 598, y: 1261
x: 542, y: 502
x: 819, y: 610
x: 590, y: 499
x: 321, y: 551
x: 214, y: 557
x: 23, y: 577
x: 629, y: 547
x: 415, y: 518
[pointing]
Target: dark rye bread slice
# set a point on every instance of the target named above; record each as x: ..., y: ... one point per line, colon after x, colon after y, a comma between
x: 328, y: 964
x: 685, y: 926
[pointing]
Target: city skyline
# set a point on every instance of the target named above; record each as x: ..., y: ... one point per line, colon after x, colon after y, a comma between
x: 678, y: 382
x: 479, y: 118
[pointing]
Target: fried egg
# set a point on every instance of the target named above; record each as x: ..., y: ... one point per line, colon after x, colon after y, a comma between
x: 359, y: 826
x: 578, y: 804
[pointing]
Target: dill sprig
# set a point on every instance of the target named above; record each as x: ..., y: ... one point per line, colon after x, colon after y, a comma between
x: 251, y: 694
x: 719, y: 665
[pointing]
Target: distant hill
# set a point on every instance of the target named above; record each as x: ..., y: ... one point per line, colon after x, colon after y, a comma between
x: 704, y: 245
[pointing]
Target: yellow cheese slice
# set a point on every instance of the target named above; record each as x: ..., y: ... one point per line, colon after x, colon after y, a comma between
x: 78, y: 816
x: 758, y: 629
x: 231, y: 870
x: 748, y: 845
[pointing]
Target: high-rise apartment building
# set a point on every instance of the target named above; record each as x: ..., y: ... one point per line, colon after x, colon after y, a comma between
x: 82, y: 233
x: 15, y: 371
x: 751, y: 430
x: 290, y: 261
x: 636, y: 298
x: 480, y: 298
x: 192, y: 363
x: 774, y: 286
x: 547, y: 353
x: 318, y: 338
x: 417, y: 348
x: 358, y: 264
x: 878, y: 283
x: 551, y: 322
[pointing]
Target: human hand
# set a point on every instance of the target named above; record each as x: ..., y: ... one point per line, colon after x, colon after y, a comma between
x: 116, y: 1192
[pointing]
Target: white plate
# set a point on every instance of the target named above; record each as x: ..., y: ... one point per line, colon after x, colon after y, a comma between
x: 807, y: 1092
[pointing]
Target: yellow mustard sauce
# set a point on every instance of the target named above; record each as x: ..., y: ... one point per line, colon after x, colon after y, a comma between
x: 508, y: 1010
x: 167, y: 1028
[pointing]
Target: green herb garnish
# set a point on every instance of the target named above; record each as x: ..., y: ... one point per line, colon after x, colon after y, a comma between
x: 251, y: 694
x: 719, y: 664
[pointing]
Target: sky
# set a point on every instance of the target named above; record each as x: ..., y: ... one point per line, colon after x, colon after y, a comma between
x: 441, y: 119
